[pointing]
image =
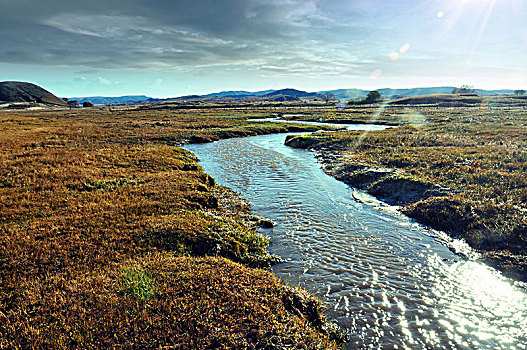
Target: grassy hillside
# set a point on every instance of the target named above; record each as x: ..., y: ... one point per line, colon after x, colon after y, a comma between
x: 15, y: 91
x: 441, y: 100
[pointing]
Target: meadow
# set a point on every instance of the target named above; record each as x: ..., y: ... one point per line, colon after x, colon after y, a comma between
x: 113, y: 237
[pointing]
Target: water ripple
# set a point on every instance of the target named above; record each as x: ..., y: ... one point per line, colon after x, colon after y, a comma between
x: 389, y: 281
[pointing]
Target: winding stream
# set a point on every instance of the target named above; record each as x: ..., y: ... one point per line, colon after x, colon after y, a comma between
x: 390, y: 282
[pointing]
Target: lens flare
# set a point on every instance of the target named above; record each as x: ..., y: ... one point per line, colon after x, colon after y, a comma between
x: 376, y: 73
x: 404, y: 48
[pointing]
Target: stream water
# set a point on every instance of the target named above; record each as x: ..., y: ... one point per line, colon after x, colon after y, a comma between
x: 390, y: 282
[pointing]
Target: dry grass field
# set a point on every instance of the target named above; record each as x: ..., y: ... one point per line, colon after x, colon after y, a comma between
x: 112, y: 237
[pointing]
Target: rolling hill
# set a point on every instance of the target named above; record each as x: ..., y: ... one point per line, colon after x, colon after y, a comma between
x: 103, y: 100
x: 444, y: 100
x: 16, y: 92
x: 346, y: 94
x: 282, y: 95
x: 238, y: 94
x: 294, y: 93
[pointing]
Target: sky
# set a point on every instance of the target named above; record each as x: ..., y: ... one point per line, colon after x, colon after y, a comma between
x: 166, y: 48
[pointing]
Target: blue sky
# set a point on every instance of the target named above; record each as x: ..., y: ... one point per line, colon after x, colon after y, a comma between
x: 168, y: 48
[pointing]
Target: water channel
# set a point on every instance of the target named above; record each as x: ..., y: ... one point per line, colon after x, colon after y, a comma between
x: 390, y: 282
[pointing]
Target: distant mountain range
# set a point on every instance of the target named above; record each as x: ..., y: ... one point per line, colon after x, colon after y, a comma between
x: 295, y: 93
x: 238, y: 93
x: 101, y: 100
x: 345, y: 94
x: 281, y: 95
x: 28, y: 93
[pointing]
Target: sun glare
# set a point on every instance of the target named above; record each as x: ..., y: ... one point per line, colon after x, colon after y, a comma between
x: 470, y: 3
x: 480, y: 11
x: 474, y: 1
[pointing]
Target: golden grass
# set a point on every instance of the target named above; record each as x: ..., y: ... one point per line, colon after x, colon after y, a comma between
x: 111, y: 237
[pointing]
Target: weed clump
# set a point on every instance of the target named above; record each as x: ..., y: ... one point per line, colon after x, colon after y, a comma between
x: 137, y: 283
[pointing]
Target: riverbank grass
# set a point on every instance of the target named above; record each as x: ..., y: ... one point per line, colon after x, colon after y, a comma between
x: 111, y: 237
x: 477, y: 157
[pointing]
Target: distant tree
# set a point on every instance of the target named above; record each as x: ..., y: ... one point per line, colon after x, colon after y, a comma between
x: 464, y: 89
x: 328, y: 97
x: 519, y: 92
x: 73, y: 104
x: 87, y: 104
x: 373, y: 96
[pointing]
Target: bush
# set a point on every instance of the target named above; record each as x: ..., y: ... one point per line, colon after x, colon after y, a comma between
x: 372, y: 97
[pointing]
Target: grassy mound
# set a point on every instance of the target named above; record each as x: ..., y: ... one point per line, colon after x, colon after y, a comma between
x: 161, y: 300
x: 442, y: 100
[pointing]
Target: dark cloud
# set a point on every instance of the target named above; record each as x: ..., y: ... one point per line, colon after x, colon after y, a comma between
x: 162, y: 33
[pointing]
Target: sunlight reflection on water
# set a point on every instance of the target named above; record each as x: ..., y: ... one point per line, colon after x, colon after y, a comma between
x: 389, y: 281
